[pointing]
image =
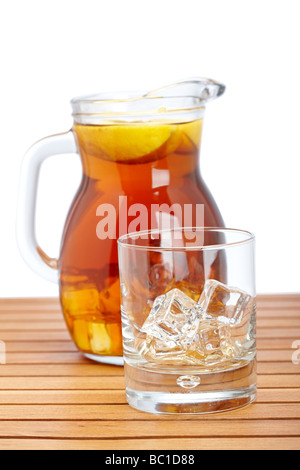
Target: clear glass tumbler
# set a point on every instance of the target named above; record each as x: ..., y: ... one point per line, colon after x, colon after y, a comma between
x: 189, y: 319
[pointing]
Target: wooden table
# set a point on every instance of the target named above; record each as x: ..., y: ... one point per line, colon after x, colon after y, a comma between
x: 51, y: 397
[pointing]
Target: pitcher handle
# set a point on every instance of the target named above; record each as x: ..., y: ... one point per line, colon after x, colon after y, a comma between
x: 32, y: 254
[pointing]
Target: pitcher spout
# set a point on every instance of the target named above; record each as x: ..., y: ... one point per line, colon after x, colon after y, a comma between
x: 202, y: 89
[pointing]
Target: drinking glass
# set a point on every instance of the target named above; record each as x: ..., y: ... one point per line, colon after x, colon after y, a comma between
x: 188, y: 319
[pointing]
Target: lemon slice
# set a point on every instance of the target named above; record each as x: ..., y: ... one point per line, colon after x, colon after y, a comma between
x: 190, y: 137
x: 194, y: 130
x: 123, y: 143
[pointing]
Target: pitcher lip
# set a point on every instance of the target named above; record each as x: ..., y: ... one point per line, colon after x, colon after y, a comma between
x: 181, y: 101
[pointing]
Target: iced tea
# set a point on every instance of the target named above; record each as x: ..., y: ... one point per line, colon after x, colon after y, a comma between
x: 150, y: 165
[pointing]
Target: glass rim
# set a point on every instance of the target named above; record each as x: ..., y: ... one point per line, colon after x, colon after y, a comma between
x: 249, y: 237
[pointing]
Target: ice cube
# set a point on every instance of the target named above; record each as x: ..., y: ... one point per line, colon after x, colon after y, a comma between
x: 210, y: 343
x: 170, y: 328
x: 155, y: 349
x: 215, y: 340
x: 228, y: 305
x: 172, y: 352
x: 179, y: 333
x: 171, y: 317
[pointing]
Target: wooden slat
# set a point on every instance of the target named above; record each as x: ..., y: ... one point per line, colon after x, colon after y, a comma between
x: 44, y: 335
x: 49, y: 346
x: 52, y: 314
x: 158, y: 429
x: 278, y: 395
x: 13, y: 322
x: 63, y: 335
x: 273, y: 330
x: 274, y: 343
x: 26, y: 317
x: 293, y: 333
x: 30, y: 302
x: 278, y: 313
x: 279, y: 368
x: 98, y: 397
x: 95, y: 397
x: 117, y: 383
x: 33, y: 326
x: 64, y: 383
x: 52, y: 302
x: 56, y: 370
x: 46, y: 358
x: 274, y: 356
x: 91, y: 369
x: 279, y: 305
x: 77, y: 358
x: 282, y: 297
x: 277, y: 316
x: 68, y: 346
x: 284, y: 322
x: 124, y: 412
x: 276, y: 381
x: 213, y: 443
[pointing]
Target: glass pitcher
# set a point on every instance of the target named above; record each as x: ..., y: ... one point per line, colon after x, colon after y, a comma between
x: 140, y: 161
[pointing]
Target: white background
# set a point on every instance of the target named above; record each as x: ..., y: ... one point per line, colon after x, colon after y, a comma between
x: 54, y: 50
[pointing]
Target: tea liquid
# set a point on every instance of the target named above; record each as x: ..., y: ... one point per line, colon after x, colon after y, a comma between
x: 149, y: 164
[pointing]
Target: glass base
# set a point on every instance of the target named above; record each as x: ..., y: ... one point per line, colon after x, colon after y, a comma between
x: 113, y: 360
x: 194, y: 403
x: 190, y: 393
